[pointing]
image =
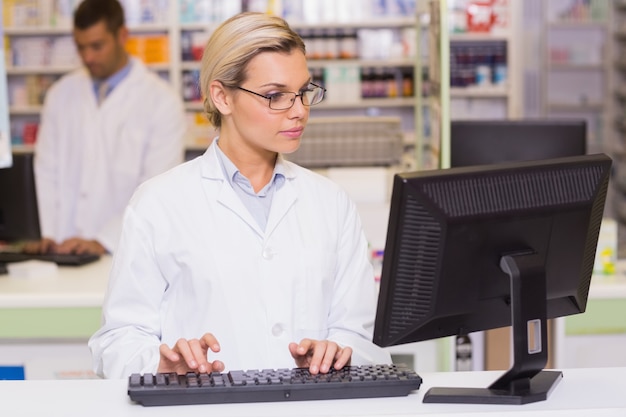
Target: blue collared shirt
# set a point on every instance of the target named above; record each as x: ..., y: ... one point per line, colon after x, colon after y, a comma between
x: 258, y: 204
x: 114, y: 79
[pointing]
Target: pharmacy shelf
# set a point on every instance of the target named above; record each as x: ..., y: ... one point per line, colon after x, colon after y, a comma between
x: 575, y: 67
x: 570, y: 107
x: 383, y: 22
x: 37, y: 31
x: 389, y: 22
x: 504, y: 95
x: 176, y: 68
x: 582, y: 24
x: 477, y: 92
x: 389, y: 62
x: 479, y: 37
x: 362, y: 104
x: 322, y: 63
x: 65, y: 31
x: 149, y: 28
x: 25, y: 110
x: 61, y: 69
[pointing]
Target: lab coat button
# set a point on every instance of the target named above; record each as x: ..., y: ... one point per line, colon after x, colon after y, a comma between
x: 267, y: 254
x: 277, y: 329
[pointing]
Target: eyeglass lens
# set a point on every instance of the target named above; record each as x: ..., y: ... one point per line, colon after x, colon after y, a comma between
x: 309, y: 97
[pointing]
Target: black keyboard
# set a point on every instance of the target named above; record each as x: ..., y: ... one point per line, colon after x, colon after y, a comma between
x: 272, y: 385
x: 63, y: 259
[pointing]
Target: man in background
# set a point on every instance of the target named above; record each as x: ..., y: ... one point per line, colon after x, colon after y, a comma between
x: 105, y: 128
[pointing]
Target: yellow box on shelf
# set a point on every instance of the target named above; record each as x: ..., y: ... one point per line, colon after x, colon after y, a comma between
x: 151, y: 49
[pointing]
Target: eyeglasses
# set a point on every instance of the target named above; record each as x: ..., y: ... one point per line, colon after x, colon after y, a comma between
x: 312, y: 95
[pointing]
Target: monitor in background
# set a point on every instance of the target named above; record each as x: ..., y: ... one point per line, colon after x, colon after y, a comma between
x: 19, y: 218
x: 482, y: 142
x: 476, y: 248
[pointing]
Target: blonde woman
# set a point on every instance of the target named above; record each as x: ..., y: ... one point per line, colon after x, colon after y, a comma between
x: 240, y: 259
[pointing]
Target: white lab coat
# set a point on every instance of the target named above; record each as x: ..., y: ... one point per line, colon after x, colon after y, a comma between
x: 90, y: 159
x: 193, y: 260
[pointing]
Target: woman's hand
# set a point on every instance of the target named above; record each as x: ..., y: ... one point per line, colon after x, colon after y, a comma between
x: 190, y: 356
x: 320, y: 355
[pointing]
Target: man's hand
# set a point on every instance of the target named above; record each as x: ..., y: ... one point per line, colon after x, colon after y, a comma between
x: 43, y: 245
x: 190, y: 355
x: 320, y: 355
x: 80, y: 246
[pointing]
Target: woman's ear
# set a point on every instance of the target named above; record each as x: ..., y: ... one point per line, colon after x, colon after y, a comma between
x: 221, y: 97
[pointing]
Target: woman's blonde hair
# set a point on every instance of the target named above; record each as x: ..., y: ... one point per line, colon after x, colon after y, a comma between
x: 233, y: 44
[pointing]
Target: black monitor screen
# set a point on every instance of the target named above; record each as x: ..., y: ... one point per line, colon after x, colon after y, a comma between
x: 19, y: 218
x: 476, y: 248
x: 482, y: 142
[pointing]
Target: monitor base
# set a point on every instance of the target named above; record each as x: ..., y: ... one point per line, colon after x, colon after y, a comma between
x: 541, y: 385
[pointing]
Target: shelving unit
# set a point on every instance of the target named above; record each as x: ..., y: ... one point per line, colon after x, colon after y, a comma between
x: 481, y: 79
x: 183, y: 28
x: 618, y: 121
x: 484, y: 62
x: 573, y: 68
x: 577, y: 72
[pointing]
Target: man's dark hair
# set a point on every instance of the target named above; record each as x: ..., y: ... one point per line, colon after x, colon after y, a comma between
x: 90, y: 12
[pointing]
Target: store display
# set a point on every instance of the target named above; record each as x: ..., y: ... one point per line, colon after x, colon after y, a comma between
x: 377, y: 35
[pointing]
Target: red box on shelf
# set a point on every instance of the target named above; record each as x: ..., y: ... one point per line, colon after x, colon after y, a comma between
x: 480, y: 16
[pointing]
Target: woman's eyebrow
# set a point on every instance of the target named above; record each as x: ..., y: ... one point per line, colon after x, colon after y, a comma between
x: 280, y: 85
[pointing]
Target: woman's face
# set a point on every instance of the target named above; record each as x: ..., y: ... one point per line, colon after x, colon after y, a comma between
x: 251, y: 122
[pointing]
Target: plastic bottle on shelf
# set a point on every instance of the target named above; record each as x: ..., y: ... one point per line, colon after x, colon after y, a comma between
x: 348, y: 44
x: 499, y: 65
x: 407, y: 82
x: 331, y: 44
x: 392, y: 84
x: 483, y: 67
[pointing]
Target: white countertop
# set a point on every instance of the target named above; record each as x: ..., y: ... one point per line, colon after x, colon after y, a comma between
x: 81, y: 286
x: 84, y: 286
x: 582, y: 392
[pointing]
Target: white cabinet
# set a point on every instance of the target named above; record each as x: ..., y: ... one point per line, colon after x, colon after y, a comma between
x: 596, y: 338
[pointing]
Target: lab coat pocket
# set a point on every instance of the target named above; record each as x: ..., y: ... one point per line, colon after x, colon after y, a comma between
x: 314, y: 294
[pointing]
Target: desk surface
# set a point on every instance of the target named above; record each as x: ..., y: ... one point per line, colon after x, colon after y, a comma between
x: 582, y: 392
x: 72, y: 286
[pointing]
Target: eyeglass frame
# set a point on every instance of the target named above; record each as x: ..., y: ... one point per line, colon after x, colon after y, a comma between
x: 301, y: 95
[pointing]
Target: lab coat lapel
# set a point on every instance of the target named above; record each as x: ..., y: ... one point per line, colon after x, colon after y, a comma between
x: 221, y: 191
x: 227, y: 197
x: 284, y: 198
x: 282, y: 201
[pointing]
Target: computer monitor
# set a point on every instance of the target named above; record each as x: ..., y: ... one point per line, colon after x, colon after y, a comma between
x: 482, y: 142
x: 19, y: 217
x: 477, y: 248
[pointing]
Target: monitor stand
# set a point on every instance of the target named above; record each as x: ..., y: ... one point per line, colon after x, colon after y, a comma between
x: 526, y: 381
